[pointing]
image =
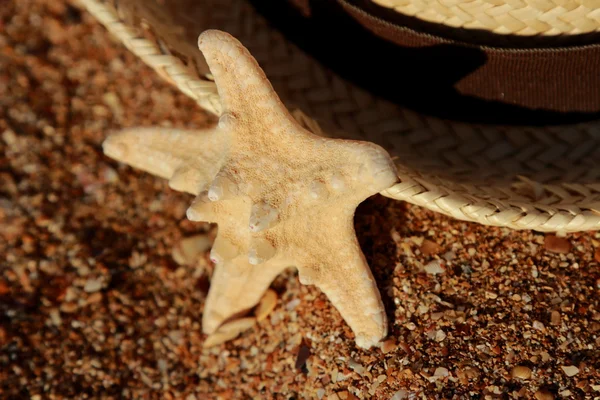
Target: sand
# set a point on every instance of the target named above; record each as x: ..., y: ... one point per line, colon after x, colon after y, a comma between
x: 93, y: 304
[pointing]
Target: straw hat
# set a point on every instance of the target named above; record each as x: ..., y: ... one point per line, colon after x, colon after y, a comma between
x: 497, y: 129
x: 519, y: 17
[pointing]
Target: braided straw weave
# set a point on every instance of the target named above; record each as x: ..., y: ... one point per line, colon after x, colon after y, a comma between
x: 517, y: 17
x: 547, y: 179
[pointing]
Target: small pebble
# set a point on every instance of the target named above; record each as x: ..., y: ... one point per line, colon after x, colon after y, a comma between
x: 570, y: 370
x: 111, y: 99
x: 539, y: 326
x: 418, y: 240
x: 229, y: 331
x: 189, y: 249
x: 176, y: 337
x: 55, y: 317
x: 292, y: 304
x: 266, y: 305
x: 320, y: 393
x: 93, y: 285
x: 521, y: 372
x: 543, y: 395
x: 356, y: 367
x: 400, y: 395
x: 68, y: 307
x: 388, y: 345
x: 302, y: 356
x: 428, y: 247
x: 434, y: 268
x: 555, y: 318
x: 557, y: 244
x: 440, y: 335
x: 410, y: 326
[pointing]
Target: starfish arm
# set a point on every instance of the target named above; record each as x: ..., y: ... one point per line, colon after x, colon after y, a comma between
x: 243, y: 87
x: 356, y: 296
x: 188, y: 158
x: 339, y: 269
x: 236, y: 286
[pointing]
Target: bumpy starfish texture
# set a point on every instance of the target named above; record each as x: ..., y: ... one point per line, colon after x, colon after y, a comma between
x: 281, y: 195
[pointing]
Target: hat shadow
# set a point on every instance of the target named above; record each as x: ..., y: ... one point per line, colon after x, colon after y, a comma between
x: 423, y: 81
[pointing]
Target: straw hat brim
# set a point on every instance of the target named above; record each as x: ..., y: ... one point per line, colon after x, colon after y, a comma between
x: 516, y: 17
x: 545, y: 178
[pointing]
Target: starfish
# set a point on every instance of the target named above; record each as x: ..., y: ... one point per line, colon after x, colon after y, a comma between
x: 281, y: 195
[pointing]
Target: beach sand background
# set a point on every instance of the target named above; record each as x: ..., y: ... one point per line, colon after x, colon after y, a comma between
x: 94, y: 305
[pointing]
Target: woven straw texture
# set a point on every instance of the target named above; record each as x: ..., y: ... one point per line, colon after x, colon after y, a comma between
x: 547, y: 179
x: 517, y: 17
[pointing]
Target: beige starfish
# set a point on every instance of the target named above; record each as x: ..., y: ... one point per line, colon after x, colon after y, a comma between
x: 281, y: 195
